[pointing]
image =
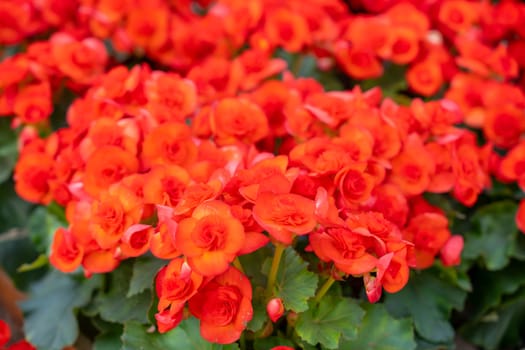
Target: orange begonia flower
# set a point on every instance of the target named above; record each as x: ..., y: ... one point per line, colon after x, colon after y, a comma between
x: 429, y: 232
x: 358, y: 63
x: 100, y: 261
x: 170, y: 98
x: 170, y: 144
x: 425, y: 77
x: 104, y: 131
x: 403, y: 45
x: 238, y: 120
x: 444, y: 178
x: 413, y: 168
x: 136, y: 240
x: 275, y: 98
x: 512, y: 166
x: 66, y: 255
x: 284, y: 215
x: 395, y: 276
x: 211, y: 238
x: 112, y: 215
x: 106, y: 166
x: 162, y: 243
x: 504, y: 126
x: 82, y: 61
x: 175, y: 284
x: 470, y: 175
x: 33, y: 103
x: 351, y: 252
x: 258, y: 65
x: 355, y: 186
x: 148, y: 32
x: 320, y: 156
x: 388, y: 200
x: 458, y: 15
x: 287, y: 29
x: 223, y: 306
x: 33, y: 174
x: 165, y: 185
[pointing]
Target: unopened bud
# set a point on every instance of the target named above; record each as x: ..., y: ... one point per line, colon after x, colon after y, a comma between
x: 275, y: 309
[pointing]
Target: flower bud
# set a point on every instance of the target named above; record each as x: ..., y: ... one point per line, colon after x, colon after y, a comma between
x: 451, y: 251
x: 275, y: 309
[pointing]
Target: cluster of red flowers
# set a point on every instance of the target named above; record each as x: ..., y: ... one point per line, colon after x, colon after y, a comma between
x: 212, y: 159
x: 5, y: 336
x: 348, y: 173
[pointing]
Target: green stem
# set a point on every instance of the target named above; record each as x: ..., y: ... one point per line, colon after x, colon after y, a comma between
x: 243, y: 341
x: 237, y: 264
x: 326, y: 286
x: 272, y: 276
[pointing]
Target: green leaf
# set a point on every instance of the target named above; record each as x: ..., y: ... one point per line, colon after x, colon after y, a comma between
x: 295, y: 284
x: 39, y: 262
x: 108, y: 341
x: 50, y: 321
x: 493, y: 236
x: 490, y: 287
x: 115, y: 307
x: 455, y: 276
x: 251, y: 264
x: 16, y: 249
x: 138, y: 337
x: 379, y: 331
x: 13, y: 211
x: 259, y: 316
x: 270, y: 342
x: 41, y: 227
x: 429, y: 300
x: 328, y: 321
x: 391, y: 82
x: 144, y: 272
x: 503, y: 329
x: 185, y: 336
x: 518, y: 248
x: 8, y: 149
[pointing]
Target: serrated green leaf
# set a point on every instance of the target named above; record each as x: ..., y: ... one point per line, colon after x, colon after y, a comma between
x: 328, y: 321
x: 39, y: 262
x: 429, y: 300
x: 50, y: 321
x: 185, y: 336
x: 503, y: 330
x: 144, y: 271
x: 41, y: 227
x: 455, y: 276
x: 113, y: 306
x: 138, y: 337
x: 490, y: 287
x: 294, y: 284
x: 251, y: 264
x: 493, y: 235
x: 380, y: 331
